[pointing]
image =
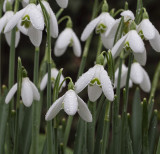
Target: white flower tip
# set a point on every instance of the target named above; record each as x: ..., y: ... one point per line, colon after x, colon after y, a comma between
x: 128, y: 15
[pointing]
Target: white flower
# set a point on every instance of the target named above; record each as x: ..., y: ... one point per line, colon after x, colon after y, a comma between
x: 65, y: 39
x: 30, y: 21
x: 54, y: 73
x: 25, y: 3
x: 128, y: 15
x: 97, y: 80
x: 147, y: 29
x: 5, y: 2
x: 102, y: 23
x: 138, y: 76
x: 3, y: 21
x: 133, y: 41
x: 28, y: 92
x: 62, y: 3
x: 71, y: 103
x: 124, y: 72
x: 53, y: 20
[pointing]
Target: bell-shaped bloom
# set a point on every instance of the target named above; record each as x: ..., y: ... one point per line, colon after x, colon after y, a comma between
x: 54, y: 73
x: 71, y: 103
x: 3, y: 21
x: 102, y: 24
x: 29, y: 92
x: 149, y: 32
x: 97, y: 80
x: 128, y: 15
x: 124, y: 72
x: 65, y: 39
x: 53, y: 20
x: 138, y: 76
x: 31, y: 22
x: 62, y: 3
x: 133, y: 41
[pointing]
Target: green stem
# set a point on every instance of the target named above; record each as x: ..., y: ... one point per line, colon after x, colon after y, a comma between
x: 91, y: 128
x: 35, y: 111
x: 1, y: 6
x: 99, y: 47
x: 19, y: 81
x: 59, y: 12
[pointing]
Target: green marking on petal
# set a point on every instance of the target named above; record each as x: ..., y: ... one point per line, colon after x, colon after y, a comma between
x: 141, y: 34
x: 71, y: 43
x: 101, y: 28
x: 95, y: 81
x: 26, y: 21
x: 127, y: 47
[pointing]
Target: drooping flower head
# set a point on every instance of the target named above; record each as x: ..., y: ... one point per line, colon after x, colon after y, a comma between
x: 71, y: 103
x: 30, y: 22
x: 54, y: 73
x: 62, y: 3
x: 138, y: 76
x: 29, y: 92
x: 67, y: 38
x: 3, y: 22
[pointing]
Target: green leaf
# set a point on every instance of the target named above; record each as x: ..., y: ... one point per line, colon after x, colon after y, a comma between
x: 136, y: 122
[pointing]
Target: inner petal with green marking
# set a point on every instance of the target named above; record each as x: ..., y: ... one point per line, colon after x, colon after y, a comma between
x: 141, y: 34
x: 101, y: 28
x: 26, y: 21
x: 95, y: 81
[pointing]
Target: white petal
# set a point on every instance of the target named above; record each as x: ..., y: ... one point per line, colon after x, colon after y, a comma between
x: 136, y: 73
x: 76, y: 45
x: 89, y: 28
x: 94, y: 92
x: 141, y: 57
x: 25, y: 3
x: 84, y: 80
x: 106, y: 85
x: 8, y: 37
x: 36, y: 16
x: 118, y: 46
x: 3, y: 22
x: 62, y: 3
x: 70, y: 102
x: 135, y: 42
x: 36, y: 95
x: 83, y: 110
x: 110, y: 33
x: 11, y: 93
x: 147, y: 28
x: 17, y: 38
x: 146, y: 83
x: 107, y: 42
x: 14, y: 20
x: 22, y: 28
x: 123, y: 76
x: 35, y: 36
x: 155, y: 42
x: 54, y: 109
x: 53, y: 24
x: 59, y: 51
x: 128, y: 15
x: 26, y: 92
x: 44, y: 82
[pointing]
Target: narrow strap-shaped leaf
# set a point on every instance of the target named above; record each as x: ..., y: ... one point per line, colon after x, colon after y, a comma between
x: 158, y: 147
x: 136, y: 122
x: 139, y: 11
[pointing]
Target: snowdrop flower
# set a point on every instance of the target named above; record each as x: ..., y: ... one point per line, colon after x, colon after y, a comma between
x: 65, y: 39
x: 3, y: 21
x: 128, y: 15
x: 71, y: 103
x: 124, y: 72
x: 31, y: 23
x: 29, y: 92
x: 54, y: 73
x: 53, y: 20
x: 5, y: 3
x: 97, y: 80
x: 147, y: 31
x: 138, y: 76
x: 102, y: 23
x: 62, y: 3
x: 133, y: 41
